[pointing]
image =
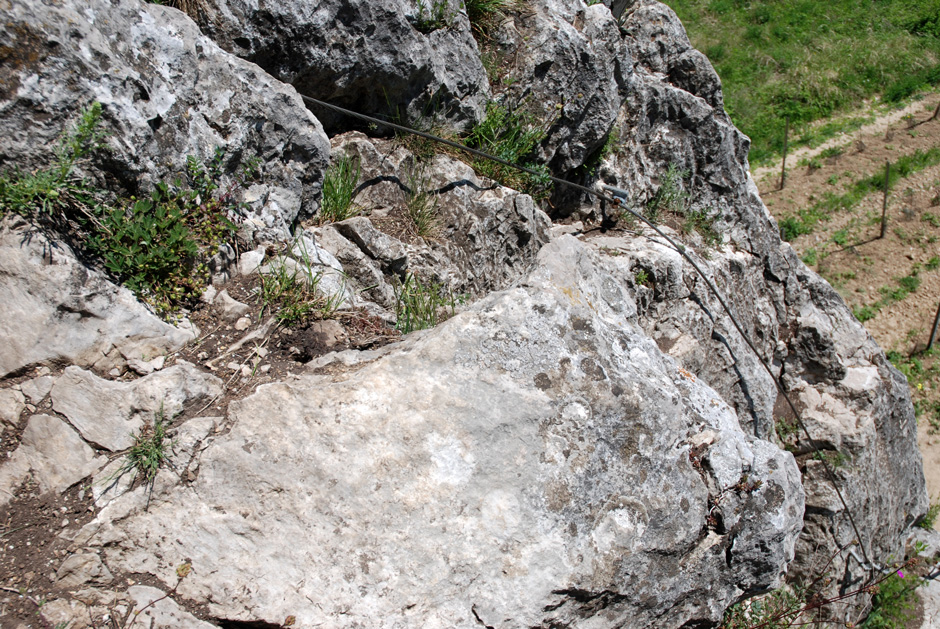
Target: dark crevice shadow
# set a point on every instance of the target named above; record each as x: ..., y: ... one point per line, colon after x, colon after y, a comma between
x: 758, y: 428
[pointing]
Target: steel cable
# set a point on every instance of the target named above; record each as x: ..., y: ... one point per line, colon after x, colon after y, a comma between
x: 868, y: 565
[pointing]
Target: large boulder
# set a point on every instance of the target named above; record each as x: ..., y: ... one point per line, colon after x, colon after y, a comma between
x: 533, y: 461
x: 167, y: 92
x: 383, y: 57
x: 855, y: 404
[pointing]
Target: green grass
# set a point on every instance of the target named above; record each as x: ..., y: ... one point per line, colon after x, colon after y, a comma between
x: 512, y: 135
x: 420, y: 305
x: 421, y: 204
x: 339, y: 190
x: 291, y: 290
x: 150, y: 450
x: 809, y: 60
x: 889, y: 295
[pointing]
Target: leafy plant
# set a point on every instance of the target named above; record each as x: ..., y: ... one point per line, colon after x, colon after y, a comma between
x: 513, y: 136
x: 641, y: 277
x: 893, y: 603
x: 433, y: 15
x: 419, y: 306
x: 339, y: 190
x: 670, y: 196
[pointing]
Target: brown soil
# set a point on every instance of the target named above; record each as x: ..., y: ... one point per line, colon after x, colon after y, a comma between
x: 847, y: 251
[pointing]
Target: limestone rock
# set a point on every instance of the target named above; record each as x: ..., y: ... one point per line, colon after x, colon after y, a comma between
x: 12, y: 403
x: 535, y: 460
x: 161, y: 612
x: 183, y: 96
x: 485, y: 237
x: 570, y: 66
x: 37, y: 389
x: 231, y: 308
x: 55, y: 310
x: 109, y: 413
x: 368, y: 55
x: 52, y: 453
x: 82, y: 568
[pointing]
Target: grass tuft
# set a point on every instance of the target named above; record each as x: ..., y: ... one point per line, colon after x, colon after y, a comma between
x: 419, y: 305
x: 339, y: 190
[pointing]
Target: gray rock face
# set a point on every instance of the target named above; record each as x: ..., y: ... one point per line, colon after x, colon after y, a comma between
x: 485, y: 236
x: 368, y: 55
x: 55, y: 310
x: 533, y: 461
x: 109, y: 413
x: 167, y: 92
x: 571, y: 66
x: 51, y: 453
x: 853, y: 401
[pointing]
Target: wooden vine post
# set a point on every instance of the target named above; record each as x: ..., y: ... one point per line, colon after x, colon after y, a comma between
x: 884, y: 206
x: 783, y: 167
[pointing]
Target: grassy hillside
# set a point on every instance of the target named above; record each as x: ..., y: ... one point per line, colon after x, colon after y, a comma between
x: 808, y: 59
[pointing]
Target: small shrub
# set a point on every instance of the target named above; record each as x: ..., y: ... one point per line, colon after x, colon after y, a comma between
x: 931, y: 219
x: 792, y: 227
x: 699, y: 221
x: 933, y: 263
x: 670, y: 196
x: 433, y: 15
x: 641, y: 278
x: 810, y: 257
x: 419, y: 306
x: 893, y: 604
x: 864, y: 313
x: 513, y: 136
x: 53, y: 190
x: 339, y: 190
x: 930, y: 518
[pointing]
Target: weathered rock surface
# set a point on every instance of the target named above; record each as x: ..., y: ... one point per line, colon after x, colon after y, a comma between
x: 368, y: 55
x: 855, y: 404
x: 167, y: 92
x: 109, y: 413
x: 535, y: 460
x: 53, y: 309
x: 570, y: 66
x: 484, y: 237
x: 52, y: 454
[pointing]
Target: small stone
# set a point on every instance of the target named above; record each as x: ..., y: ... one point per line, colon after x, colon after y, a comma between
x: 158, y: 362
x: 31, y: 408
x: 37, y: 388
x: 115, y: 373
x: 234, y: 366
x: 43, y: 371
x: 243, y: 324
x: 202, y: 355
x: 261, y: 351
x: 232, y: 309
x: 246, y: 371
x: 249, y: 261
x: 209, y: 295
x: 12, y: 404
x: 265, y: 368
